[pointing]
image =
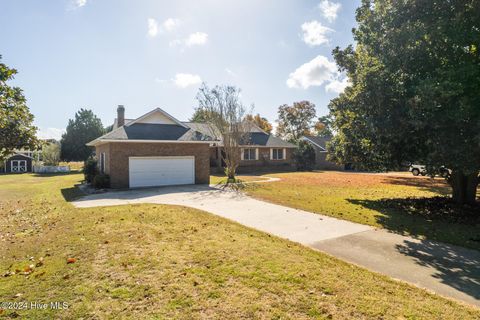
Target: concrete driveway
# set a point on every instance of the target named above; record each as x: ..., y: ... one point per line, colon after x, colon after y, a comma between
x: 447, y: 270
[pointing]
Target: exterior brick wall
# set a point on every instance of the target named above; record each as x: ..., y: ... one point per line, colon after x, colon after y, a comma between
x: 117, y: 158
x: 104, y: 148
x: 263, y: 158
x: 265, y: 161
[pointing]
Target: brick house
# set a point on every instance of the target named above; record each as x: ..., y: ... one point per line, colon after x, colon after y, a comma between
x: 156, y: 149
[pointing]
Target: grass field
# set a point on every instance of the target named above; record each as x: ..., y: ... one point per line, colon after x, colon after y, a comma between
x: 162, y: 262
x: 221, y: 179
x: 390, y: 201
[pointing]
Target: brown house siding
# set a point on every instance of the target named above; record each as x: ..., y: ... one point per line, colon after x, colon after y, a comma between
x: 117, y: 158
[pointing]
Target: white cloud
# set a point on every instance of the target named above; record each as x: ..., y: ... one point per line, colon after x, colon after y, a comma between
x: 230, y: 72
x: 170, y: 24
x: 50, y: 133
x: 314, y: 33
x: 183, y: 80
x: 75, y: 4
x: 194, y: 39
x: 152, y: 27
x: 197, y: 38
x: 337, y: 85
x: 313, y: 73
x: 80, y: 3
x: 329, y: 9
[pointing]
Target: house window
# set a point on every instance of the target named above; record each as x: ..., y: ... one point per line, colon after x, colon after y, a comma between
x: 102, y: 162
x: 250, y: 154
x: 277, y: 154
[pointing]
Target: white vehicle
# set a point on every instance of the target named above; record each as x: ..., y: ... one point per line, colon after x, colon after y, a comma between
x: 417, y: 169
x: 420, y: 169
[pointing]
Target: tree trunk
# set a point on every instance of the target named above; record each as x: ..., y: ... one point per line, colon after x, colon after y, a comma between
x: 230, y: 171
x: 219, y: 158
x: 464, y: 187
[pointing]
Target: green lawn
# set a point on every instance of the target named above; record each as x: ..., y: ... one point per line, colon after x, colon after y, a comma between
x: 222, y: 179
x: 390, y: 201
x: 162, y: 262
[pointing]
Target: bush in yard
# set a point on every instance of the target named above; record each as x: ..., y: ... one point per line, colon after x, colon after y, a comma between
x: 304, y: 156
x: 90, y: 169
x: 101, y: 181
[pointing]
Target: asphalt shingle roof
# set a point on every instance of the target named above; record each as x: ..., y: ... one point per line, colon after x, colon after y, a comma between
x: 147, y: 131
x: 266, y: 140
x: 193, y: 132
x: 320, y: 141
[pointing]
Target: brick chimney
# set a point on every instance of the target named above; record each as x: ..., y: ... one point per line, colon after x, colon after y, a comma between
x: 120, y: 116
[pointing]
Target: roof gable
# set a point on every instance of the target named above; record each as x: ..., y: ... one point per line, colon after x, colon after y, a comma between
x: 319, y: 142
x: 17, y: 156
x: 156, y: 116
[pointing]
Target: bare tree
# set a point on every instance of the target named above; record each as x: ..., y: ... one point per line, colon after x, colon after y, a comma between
x: 225, y: 116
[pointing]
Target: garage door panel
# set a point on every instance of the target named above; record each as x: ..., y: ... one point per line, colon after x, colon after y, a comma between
x: 161, y: 171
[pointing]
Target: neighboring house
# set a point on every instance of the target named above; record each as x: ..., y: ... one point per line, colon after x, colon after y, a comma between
x: 319, y: 144
x: 18, y: 163
x: 157, y: 149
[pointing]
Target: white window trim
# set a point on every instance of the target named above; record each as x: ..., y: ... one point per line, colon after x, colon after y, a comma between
x: 18, y: 165
x: 242, y: 155
x: 284, y: 153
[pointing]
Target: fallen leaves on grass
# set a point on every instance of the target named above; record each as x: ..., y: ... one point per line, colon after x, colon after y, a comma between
x: 434, y: 208
x: 28, y: 269
x: 71, y: 260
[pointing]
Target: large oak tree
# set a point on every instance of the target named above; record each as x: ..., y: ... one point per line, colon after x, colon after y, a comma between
x: 415, y: 90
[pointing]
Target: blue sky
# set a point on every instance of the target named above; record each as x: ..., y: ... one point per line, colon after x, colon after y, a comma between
x: 144, y: 54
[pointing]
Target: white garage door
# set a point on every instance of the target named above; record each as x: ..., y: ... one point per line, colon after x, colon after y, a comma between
x: 161, y: 171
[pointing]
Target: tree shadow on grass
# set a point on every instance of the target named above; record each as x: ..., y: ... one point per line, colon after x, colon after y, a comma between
x: 454, y: 266
x: 436, y: 185
x: 56, y: 174
x: 436, y: 218
x: 439, y: 222
x: 71, y: 194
